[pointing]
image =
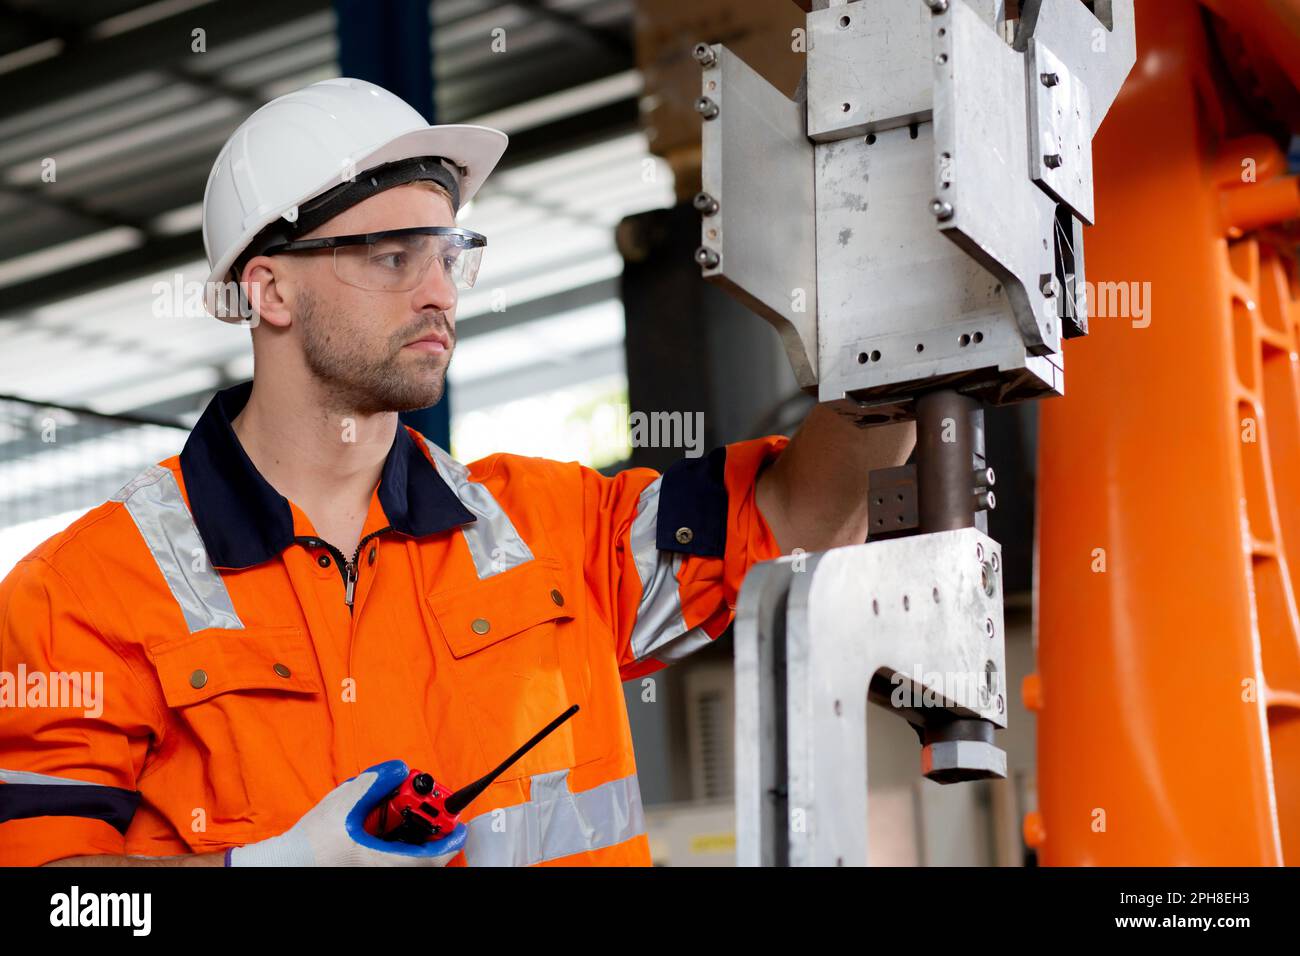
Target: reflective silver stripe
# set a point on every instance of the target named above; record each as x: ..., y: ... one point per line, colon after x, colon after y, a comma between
x: 494, y: 544
x: 157, y: 507
x: 555, y: 822
x: 26, y: 776
x: 660, y: 630
x: 682, y: 645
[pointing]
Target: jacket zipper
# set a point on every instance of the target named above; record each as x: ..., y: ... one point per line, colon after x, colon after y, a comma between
x: 348, y: 569
x: 350, y: 572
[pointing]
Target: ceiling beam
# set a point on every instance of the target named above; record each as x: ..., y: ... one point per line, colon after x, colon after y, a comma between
x: 164, y: 44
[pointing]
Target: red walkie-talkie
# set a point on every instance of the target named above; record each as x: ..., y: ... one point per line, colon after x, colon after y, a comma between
x: 422, y: 809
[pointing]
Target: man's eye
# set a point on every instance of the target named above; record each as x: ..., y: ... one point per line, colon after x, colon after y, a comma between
x: 390, y: 260
x: 449, y: 261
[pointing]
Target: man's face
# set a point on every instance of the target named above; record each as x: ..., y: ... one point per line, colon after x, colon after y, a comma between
x: 377, y: 351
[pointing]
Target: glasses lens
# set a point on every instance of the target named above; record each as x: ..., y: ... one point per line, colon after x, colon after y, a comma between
x: 467, y: 263
x: 400, y: 263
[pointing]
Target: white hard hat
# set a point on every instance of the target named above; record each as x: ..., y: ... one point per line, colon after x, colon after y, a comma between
x: 312, y: 140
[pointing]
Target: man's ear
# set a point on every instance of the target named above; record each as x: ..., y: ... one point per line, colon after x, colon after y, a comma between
x: 260, y: 285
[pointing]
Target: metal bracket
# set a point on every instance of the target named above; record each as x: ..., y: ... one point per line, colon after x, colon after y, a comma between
x: 1060, y: 130
x: 1100, y: 48
x: 913, y: 625
x: 891, y: 500
x: 990, y: 206
x: 871, y: 70
x: 757, y: 169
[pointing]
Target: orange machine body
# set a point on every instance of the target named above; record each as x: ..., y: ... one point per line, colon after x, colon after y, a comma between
x: 1168, y: 687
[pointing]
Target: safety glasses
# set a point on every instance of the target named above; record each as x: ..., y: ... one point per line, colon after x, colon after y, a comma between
x: 396, y: 260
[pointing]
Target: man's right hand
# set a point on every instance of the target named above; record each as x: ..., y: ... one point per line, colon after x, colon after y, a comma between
x: 332, y: 832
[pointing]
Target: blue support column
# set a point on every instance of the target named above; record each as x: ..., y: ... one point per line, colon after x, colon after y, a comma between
x: 390, y: 42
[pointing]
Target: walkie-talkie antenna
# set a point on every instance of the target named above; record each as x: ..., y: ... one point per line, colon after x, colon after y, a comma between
x: 459, y: 800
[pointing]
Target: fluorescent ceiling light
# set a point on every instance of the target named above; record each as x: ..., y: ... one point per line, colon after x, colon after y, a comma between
x: 31, y: 54
x: 544, y: 340
x: 110, y: 118
x: 266, y: 42
x: 547, y: 282
x: 160, y: 388
x: 176, y: 221
x: 142, y: 16
x: 166, y: 129
x: 68, y: 254
x: 570, y: 102
x: 136, y: 86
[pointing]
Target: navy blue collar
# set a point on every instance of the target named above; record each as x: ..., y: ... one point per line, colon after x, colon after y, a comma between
x: 244, y: 521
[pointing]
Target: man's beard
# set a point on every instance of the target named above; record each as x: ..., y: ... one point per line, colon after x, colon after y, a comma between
x: 368, y: 384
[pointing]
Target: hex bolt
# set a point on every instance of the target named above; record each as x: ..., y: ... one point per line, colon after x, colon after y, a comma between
x: 705, y: 204
x: 706, y: 257
x: 942, y: 210
x: 1052, y: 160
x: 706, y: 107
x: 704, y: 55
x: 1049, y: 79
x: 1048, y: 287
x: 937, y: 6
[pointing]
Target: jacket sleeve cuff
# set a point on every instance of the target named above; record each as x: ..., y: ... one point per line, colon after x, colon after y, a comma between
x: 698, y: 506
x: 710, y: 582
x: 38, y: 840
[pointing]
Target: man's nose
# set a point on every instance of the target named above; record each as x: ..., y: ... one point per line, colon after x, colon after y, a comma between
x: 436, y: 289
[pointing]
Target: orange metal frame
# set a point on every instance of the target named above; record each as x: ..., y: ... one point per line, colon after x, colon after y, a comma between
x: 1168, y: 684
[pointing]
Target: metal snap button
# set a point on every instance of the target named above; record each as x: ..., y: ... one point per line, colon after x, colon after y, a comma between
x: 198, y: 679
x: 480, y: 625
x: 281, y: 670
x: 323, y: 560
x: 684, y: 535
x: 557, y: 597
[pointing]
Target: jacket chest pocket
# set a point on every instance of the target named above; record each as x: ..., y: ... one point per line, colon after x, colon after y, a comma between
x: 518, y: 658
x: 251, y: 700
x: 278, y: 661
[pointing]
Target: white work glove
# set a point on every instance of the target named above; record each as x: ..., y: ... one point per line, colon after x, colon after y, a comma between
x: 332, y: 832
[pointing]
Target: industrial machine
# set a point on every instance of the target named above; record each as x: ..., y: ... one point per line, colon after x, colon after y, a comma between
x: 912, y: 223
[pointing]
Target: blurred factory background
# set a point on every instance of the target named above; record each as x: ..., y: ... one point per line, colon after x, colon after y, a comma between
x: 113, y: 113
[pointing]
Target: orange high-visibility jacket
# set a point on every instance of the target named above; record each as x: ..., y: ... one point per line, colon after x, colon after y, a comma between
x: 247, y: 667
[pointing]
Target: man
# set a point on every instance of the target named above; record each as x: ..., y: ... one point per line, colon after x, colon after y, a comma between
x: 312, y: 599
